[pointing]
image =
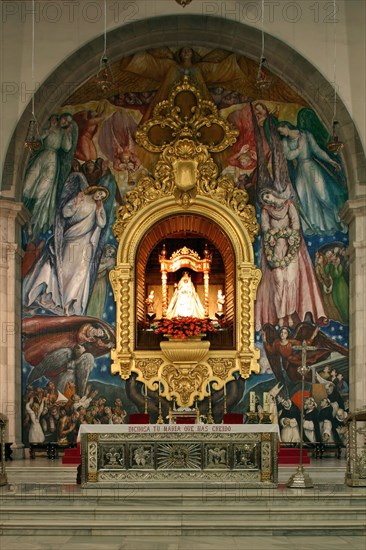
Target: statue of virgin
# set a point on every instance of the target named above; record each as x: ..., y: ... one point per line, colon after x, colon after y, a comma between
x: 185, y: 301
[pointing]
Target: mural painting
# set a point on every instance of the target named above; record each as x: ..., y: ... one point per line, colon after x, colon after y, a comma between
x: 86, y: 162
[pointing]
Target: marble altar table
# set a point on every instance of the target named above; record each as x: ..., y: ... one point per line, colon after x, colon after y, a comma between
x: 179, y: 453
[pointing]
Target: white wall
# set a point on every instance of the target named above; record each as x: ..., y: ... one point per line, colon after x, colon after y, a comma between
x: 63, y: 26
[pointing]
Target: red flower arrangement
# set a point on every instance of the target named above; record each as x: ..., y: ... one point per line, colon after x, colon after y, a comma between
x: 183, y: 327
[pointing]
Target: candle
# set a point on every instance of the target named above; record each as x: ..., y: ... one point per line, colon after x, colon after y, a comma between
x: 224, y: 390
x: 265, y: 402
x: 209, y: 389
x: 252, y: 401
x: 145, y: 389
x: 159, y: 388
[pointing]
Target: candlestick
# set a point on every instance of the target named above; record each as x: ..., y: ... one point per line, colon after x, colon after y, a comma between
x: 224, y: 390
x: 210, y: 419
x: 145, y: 400
x: 252, y: 401
x: 160, y: 419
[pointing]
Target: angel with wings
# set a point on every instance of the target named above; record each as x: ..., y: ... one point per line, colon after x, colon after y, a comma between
x: 47, y: 171
x: 65, y: 366
x: 318, y: 177
x: 158, y: 70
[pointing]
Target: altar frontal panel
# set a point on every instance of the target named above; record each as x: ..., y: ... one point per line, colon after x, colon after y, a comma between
x: 180, y: 454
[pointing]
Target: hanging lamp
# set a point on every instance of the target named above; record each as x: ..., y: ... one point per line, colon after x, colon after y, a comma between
x: 32, y: 141
x: 104, y: 76
x: 335, y: 145
x: 262, y: 82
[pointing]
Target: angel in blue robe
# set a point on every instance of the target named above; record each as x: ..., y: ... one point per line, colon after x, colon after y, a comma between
x: 47, y: 171
x: 316, y: 176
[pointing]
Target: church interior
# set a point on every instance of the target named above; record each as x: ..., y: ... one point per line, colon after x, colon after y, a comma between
x: 183, y: 237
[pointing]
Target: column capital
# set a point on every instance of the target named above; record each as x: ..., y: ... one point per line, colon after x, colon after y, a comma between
x: 15, y: 210
x: 352, y: 209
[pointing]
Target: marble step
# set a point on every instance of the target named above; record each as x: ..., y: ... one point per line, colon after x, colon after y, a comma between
x: 52, y: 473
x: 183, y: 525
x: 66, y: 473
x: 51, y: 509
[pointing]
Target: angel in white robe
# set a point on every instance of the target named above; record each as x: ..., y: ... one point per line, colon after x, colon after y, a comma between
x: 62, y: 279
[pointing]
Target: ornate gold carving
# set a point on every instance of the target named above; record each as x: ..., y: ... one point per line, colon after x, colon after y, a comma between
x: 185, y: 251
x: 189, y: 351
x: 92, y: 437
x: 164, y: 183
x: 185, y: 257
x: 249, y: 278
x: 186, y: 167
x: 224, y: 191
x: 185, y: 383
x: 266, y: 476
x: 185, y: 130
x: 149, y: 368
x: 221, y: 367
x: 125, y: 369
x: 186, y: 115
x: 92, y: 477
x: 266, y: 436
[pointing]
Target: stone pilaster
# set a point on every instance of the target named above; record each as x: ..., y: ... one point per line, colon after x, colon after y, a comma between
x: 12, y: 216
x: 354, y: 214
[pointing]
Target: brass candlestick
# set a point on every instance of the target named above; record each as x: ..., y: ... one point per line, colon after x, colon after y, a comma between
x: 210, y: 419
x: 266, y: 418
x: 225, y: 400
x: 160, y: 419
x: 252, y: 417
x: 145, y: 401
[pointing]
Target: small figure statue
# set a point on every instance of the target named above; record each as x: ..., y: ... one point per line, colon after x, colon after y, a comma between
x: 220, y: 304
x: 150, y: 314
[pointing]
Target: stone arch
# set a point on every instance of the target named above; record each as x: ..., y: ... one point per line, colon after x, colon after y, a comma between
x: 195, y: 30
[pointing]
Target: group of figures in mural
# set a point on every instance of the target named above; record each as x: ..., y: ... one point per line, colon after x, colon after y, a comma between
x: 86, y: 162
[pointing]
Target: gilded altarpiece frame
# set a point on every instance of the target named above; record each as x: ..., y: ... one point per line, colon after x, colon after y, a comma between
x: 184, y: 374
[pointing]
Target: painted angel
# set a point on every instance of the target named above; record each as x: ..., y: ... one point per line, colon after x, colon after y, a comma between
x: 62, y: 279
x: 284, y: 360
x: 65, y: 366
x: 47, y: 171
x: 318, y: 178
